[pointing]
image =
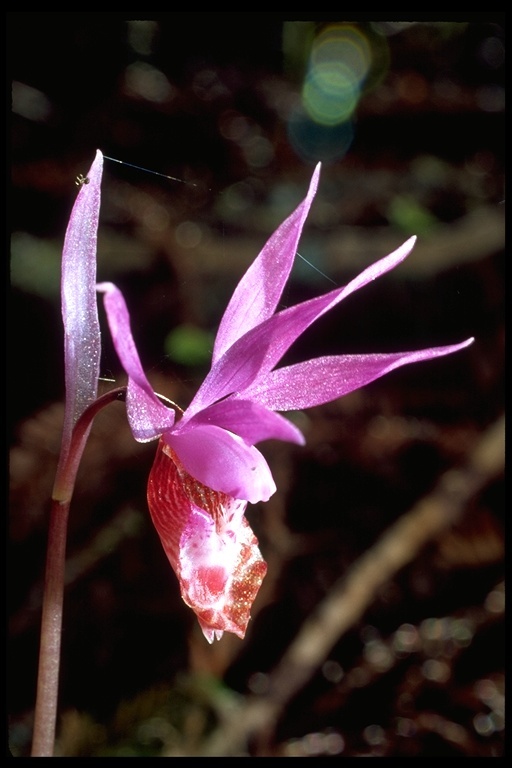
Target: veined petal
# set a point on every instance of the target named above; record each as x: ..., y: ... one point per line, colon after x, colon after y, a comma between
x: 223, y: 461
x: 220, y: 573
x: 256, y: 353
x: 245, y: 418
x: 82, y: 340
x: 209, y: 544
x: 323, y: 379
x: 148, y: 417
x: 256, y: 296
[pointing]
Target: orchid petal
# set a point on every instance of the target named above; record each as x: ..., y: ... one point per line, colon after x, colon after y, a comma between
x: 257, y: 294
x: 82, y: 339
x: 324, y: 379
x: 223, y: 461
x: 259, y: 350
x: 148, y: 417
x: 220, y: 573
x: 250, y: 421
x: 209, y: 544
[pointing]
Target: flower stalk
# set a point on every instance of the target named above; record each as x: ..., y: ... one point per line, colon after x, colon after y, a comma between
x: 45, y: 716
x: 82, y: 346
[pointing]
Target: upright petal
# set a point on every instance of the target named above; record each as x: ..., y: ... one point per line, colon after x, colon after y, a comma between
x: 148, y: 417
x: 257, y: 294
x: 209, y: 544
x: 82, y: 340
x: 324, y: 379
x: 256, y: 353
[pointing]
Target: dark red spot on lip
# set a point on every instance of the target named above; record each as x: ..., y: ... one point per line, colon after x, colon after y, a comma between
x: 214, y: 578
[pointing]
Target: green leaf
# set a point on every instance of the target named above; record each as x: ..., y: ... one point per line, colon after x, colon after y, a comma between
x: 189, y: 345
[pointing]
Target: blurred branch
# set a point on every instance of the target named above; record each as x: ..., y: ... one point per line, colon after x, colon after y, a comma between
x: 353, y: 594
x: 475, y: 236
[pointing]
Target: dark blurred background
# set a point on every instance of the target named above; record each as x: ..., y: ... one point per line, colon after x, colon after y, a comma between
x: 407, y: 118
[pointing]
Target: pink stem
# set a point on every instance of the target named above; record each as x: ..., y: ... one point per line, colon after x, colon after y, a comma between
x: 49, y: 651
x: 45, y: 716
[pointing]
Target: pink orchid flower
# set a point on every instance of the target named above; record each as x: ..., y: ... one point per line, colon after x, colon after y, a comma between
x: 207, y: 467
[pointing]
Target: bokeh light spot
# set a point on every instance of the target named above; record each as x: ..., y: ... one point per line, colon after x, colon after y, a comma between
x: 330, y: 93
x: 344, y: 44
x: 188, y: 234
x: 313, y: 141
x: 339, y: 62
x: 332, y: 671
x: 374, y: 734
x: 344, y: 62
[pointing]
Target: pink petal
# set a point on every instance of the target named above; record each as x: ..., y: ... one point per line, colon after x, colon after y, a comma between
x: 250, y: 421
x: 256, y: 296
x: 223, y: 461
x: 82, y: 340
x: 148, y: 417
x: 209, y: 544
x: 323, y: 379
x: 256, y: 353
